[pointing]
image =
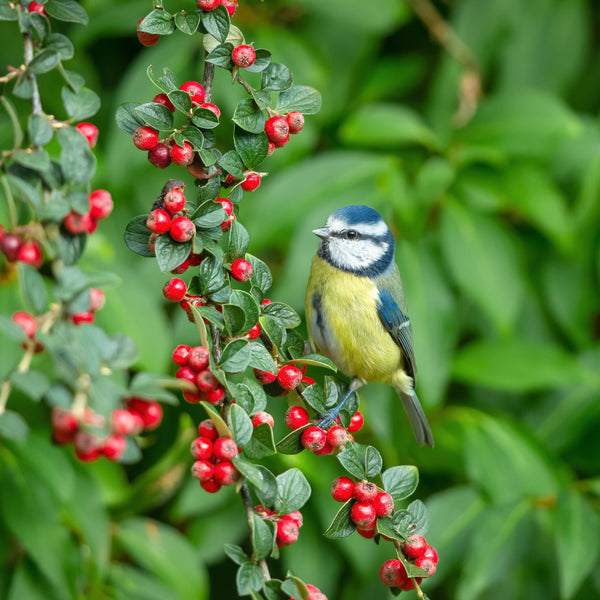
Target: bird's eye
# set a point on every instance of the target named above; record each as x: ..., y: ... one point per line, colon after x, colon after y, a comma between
x: 350, y: 234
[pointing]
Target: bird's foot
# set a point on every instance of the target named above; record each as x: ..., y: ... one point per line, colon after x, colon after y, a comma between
x: 328, y: 418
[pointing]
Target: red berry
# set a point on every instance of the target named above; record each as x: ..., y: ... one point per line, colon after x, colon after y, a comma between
x: 215, y: 396
x: 182, y: 229
x: 202, y: 470
x: 76, y: 224
x: 158, y: 221
x: 87, y: 456
x: 192, y: 397
x: 230, y: 6
x: 64, y: 425
x: 97, y: 299
x: 208, y: 5
x: 241, y: 269
x: 287, y: 532
x: 175, y: 289
x: 38, y: 8
x: 26, y: 322
x: 101, y: 204
x: 10, y: 246
x: 326, y: 450
x: 430, y: 552
x: 195, y: 90
x: 393, y: 573
x: 254, y: 332
x: 295, y: 121
x: 368, y: 531
x: 295, y: 516
x: 182, y: 268
x: 264, y: 377
x: 282, y: 142
x: 89, y: 132
x: 160, y: 156
x: 152, y: 242
x: 206, y: 381
x: 226, y: 204
x: 208, y: 430
x: 409, y: 584
x: 251, y: 182
x: 164, y: 100
x: 243, y: 56
x: 424, y: 562
x: 313, y: 438
x: 362, y: 513
x: 414, y: 546
x: 186, y: 373
x: 263, y: 417
x: 146, y: 39
x: 145, y: 138
x: 365, y: 491
x: 198, y: 358
x: 126, y: 422
x: 277, y: 129
x: 383, y: 504
x: 195, y: 259
x: 114, y: 447
x: 289, y: 377
x: 83, y: 317
x: 341, y: 489
x: 212, y: 107
x: 201, y: 448
x: 356, y: 423
x: 30, y: 253
x: 296, y: 417
x: 182, y: 155
x: 225, y: 448
x: 271, y: 148
x: 210, y: 486
x: 225, y: 473
x: 150, y: 411
x: 175, y: 199
x: 337, y: 436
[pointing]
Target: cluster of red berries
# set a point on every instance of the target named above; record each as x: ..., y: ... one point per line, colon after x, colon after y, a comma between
x: 170, y: 218
x: 369, y: 503
x: 100, y: 206
x: 67, y: 427
x: 416, y: 550
x: 18, y: 248
x: 288, y: 526
x: 88, y: 316
x: 38, y: 8
x: 194, y: 366
x: 213, y: 455
x: 208, y: 5
x: 288, y: 377
x: 279, y: 127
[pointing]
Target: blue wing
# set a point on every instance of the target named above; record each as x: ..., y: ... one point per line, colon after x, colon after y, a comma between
x: 398, y: 326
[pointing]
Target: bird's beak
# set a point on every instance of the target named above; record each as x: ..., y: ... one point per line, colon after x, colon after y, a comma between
x: 322, y: 232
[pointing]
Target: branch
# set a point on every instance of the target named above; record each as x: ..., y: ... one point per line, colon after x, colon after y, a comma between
x: 247, y: 500
x: 209, y: 75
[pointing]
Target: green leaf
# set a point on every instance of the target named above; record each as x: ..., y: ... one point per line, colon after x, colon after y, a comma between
x: 400, y: 481
x: 262, y: 443
x: 137, y: 236
x: 273, y: 329
x: 300, y: 98
x: 239, y: 240
x: 249, y: 116
x: 216, y: 418
x: 248, y: 304
x: 387, y: 126
x: 151, y: 386
x: 232, y: 163
x: 262, y: 99
x: 33, y: 159
x: 235, y: 319
x: 261, y: 274
x: 342, y: 525
x: 181, y: 100
x: 204, y: 118
x: 262, y: 537
x: 502, y: 365
x: 363, y: 462
x: 289, y: 318
x: 241, y: 425
x: 315, y: 397
x: 236, y: 356
x: 217, y: 23
x: 158, y: 21
x: 187, y: 22
x: 249, y: 576
x: 267, y: 493
x: 208, y: 215
x: 127, y: 119
x: 221, y: 56
x: 293, y: 491
x: 156, y: 115
x: 235, y: 553
x: 253, y: 473
x: 33, y: 383
x: 13, y: 426
x: 261, y: 62
x: 260, y: 358
x: 67, y: 10
x: 32, y: 288
x: 276, y: 78
x: 165, y: 82
x: 576, y: 538
x: 291, y: 443
x: 44, y: 61
x: 76, y: 159
x: 169, y: 253
x: 252, y: 147
x: 61, y: 43
x: 194, y: 136
x: 40, y: 130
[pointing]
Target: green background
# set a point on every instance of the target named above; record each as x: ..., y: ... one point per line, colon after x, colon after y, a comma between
x: 497, y: 221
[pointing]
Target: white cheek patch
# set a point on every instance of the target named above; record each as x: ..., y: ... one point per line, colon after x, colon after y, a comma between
x: 356, y: 255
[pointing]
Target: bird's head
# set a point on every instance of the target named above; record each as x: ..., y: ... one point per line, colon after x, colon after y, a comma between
x: 357, y: 240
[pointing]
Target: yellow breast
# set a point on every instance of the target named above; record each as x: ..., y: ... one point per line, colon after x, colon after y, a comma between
x: 342, y: 321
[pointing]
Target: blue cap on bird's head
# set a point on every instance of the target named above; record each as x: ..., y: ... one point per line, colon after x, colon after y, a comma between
x: 357, y: 213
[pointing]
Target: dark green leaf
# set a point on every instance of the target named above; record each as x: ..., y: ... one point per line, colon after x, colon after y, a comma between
x: 291, y: 443
x: 40, y: 130
x: 235, y: 553
x: 261, y: 62
x: 194, y: 136
x: 249, y: 576
x: 165, y: 82
x: 342, y: 525
x: 363, y: 462
x: 11, y: 329
x: 67, y: 10
x: 151, y: 386
x: 260, y: 358
x: 13, y: 426
x: 232, y: 163
x: 205, y: 118
x: 71, y: 247
x: 61, y: 43
x: 249, y: 116
x: 33, y: 159
x: 156, y: 115
x: 235, y: 319
x: 221, y: 56
x: 158, y: 21
x: 137, y: 236
x: 33, y: 289
x: 252, y: 147
x: 267, y: 493
x: 253, y: 473
x: 187, y: 22
x: 239, y: 240
x: 261, y: 275
x: 44, y: 61
x: 300, y: 98
x: 315, y: 397
x: 400, y: 482
x: 236, y: 356
x: 8, y: 11
x: 217, y: 22
x: 293, y: 490
x: 241, y: 425
x: 210, y: 275
x: 76, y: 159
x: 262, y: 99
x: 262, y: 537
x: 169, y: 253
x: 262, y: 443
x: 79, y: 202
x: 127, y: 119
x: 248, y: 304
x: 273, y: 329
x: 289, y: 318
x: 181, y: 100
x: 276, y: 78
x: 208, y: 215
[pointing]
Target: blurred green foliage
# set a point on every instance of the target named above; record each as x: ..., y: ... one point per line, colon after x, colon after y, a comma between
x: 498, y: 228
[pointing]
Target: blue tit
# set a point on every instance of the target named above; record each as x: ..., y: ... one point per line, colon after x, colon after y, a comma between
x: 356, y: 311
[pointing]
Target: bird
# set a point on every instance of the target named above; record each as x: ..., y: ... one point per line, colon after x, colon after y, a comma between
x: 356, y: 312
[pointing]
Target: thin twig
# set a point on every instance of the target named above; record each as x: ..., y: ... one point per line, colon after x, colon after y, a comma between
x: 209, y: 75
x: 36, y: 101
x: 245, y: 84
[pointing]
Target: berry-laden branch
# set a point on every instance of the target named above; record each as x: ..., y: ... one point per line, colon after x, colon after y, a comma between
x: 250, y: 354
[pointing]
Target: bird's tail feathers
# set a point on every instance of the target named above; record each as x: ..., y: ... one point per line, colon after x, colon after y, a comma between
x: 416, y: 416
